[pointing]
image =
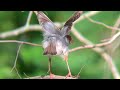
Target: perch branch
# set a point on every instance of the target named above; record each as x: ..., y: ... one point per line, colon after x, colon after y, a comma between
x: 106, y: 57
x: 48, y: 77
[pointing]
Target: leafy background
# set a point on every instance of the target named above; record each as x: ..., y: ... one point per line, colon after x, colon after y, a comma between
x: 31, y: 60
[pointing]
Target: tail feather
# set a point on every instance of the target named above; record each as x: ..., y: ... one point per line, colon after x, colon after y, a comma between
x: 50, y: 50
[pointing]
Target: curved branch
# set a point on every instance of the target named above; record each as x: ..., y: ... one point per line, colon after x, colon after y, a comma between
x: 97, y: 45
x: 100, y: 23
x: 20, y: 30
x: 106, y: 57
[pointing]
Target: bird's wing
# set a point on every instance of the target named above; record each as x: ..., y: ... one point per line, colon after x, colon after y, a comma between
x: 47, y: 25
x: 67, y: 26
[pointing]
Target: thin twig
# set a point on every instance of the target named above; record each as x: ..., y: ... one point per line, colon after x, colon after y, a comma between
x: 21, y: 42
x: 18, y: 73
x: 29, y: 18
x: 80, y: 71
x: 26, y: 75
x: 16, y: 57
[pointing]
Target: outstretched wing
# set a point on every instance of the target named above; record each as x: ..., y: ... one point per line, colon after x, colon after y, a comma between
x: 67, y: 26
x: 46, y: 23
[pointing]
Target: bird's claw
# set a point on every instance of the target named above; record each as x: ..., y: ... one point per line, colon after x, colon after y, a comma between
x: 51, y: 76
x: 69, y: 75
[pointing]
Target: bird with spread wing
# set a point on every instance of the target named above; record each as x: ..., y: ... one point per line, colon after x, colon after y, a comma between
x: 56, y: 40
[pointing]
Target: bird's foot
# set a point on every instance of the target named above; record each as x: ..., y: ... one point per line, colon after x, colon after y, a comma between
x: 69, y: 75
x: 52, y: 76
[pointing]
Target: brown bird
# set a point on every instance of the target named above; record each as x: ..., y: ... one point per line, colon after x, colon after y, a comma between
x: 56, y: 41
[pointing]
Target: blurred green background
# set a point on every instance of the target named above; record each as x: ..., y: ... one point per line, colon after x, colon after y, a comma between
x: 31, y: 60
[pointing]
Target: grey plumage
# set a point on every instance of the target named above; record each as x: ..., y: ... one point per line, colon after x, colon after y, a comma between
x: 56, y: 41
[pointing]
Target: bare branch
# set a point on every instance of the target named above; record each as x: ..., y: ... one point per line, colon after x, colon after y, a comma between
x: 20, y: 30
x: 29, y: 18
x: 100, y: 23
x: 97, y: 45
x: 80, y: 71
x: 48, y: 77
x: 21, y: 42
x: 117, y: 43
x: 89, y: 14
x: 18, y: 73
x: 117, y: 24
x: 26, y: 75
x: 106, y: 57
x: 16, y: 58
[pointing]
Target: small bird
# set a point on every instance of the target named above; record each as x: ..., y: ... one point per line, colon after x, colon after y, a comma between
x: 56, y: 40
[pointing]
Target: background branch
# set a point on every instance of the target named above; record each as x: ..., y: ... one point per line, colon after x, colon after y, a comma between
x: 20, y: 30
x: 114, y: 46
x: 117, y: 24
x: 106, y: 57
x: 29, y: 18
x: 89, y: 14
x: 100, y: 23
x: 97, y: 45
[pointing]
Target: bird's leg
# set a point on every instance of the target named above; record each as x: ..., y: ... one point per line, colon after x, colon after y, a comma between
x: 69, y: 72
x: 49, y: 68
